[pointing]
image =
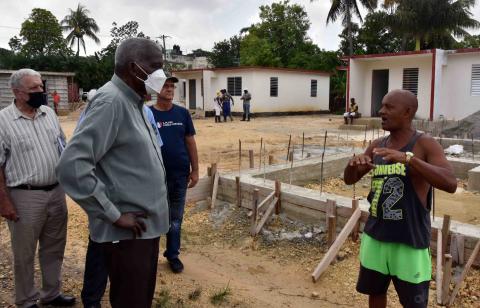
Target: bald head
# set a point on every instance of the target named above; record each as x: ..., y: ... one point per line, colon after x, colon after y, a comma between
x: 138, y: 50
x: 405, y: 98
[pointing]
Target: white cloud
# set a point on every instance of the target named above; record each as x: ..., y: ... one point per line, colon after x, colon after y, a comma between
x: 190, y: 23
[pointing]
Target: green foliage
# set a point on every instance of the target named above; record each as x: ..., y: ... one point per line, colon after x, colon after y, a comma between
x: 40, y: 35
x: 226, y: 53
x: 121, y: 33
x: 257, y: 51
x: 469, y: 41
x: 80, y: 25
x: 220, y: 296
x: 163, y: 300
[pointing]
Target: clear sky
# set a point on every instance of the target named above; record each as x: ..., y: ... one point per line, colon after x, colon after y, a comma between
x: 191, y: 24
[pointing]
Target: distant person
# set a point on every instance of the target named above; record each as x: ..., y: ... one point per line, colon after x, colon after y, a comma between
x: 227, y: 102
x: 181, y: 163
x: 246, y: 98
x: 56, y: 101
x: 31, y: 141
x: 113, y: 168
x: 405, y: 166
x: 217, y: 106
x: 353, y: 112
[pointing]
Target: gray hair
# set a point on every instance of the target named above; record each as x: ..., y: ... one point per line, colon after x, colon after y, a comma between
x: 16, y: 78
x: 134, y: 50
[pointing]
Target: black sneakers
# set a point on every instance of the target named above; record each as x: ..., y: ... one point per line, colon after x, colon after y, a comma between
x: 176, y: 265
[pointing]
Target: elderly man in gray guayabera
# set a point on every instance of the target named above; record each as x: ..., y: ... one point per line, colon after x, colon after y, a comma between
x: 31, y: 200
x: 113, y: 168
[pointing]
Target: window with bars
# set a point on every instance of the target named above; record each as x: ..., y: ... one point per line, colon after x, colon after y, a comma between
x: 274, y: 86
x: 410, y: 80
x: 475, y: 91
x: 234, y: 86
x: 313, y: 88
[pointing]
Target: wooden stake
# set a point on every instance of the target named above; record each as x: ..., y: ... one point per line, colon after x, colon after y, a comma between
x: 260, y: 158
x: 445, y: 231
x: 213, y: 169
x: 278, y: 195
x: 250, y: 157
x: 439, y: 275
x: 239, y: 156
x: 215, y: 190
x: 332, y: 229
x: 447, y: 276
x: 239, y: 192
x: 321, y: 175
x: 356, y: 229
x: 458, y: 284
x: 325, y: 141
x: 291, y: 165
x: 365, y: 137
x: 288, y: 148
x: 265, y: 217
x: 330, y: 209
x: 209, y: 171
x: 254, y: 209
x: 264, y: 164
x: 303, y: 142
x: 270, y: 159
x: 337, y: 244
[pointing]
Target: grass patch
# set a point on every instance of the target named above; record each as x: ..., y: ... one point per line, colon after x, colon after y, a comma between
x: 194, y: 295
x: 163, y: 299
x: 220, y: 296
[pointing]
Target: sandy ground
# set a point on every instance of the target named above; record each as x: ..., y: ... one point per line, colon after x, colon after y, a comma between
x: 223, y: 265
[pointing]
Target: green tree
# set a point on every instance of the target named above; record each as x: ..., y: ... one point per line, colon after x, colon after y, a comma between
x: 433, y: 23
x: 41, y: 34
x: 120, y: 33
x: 346, y: 9
x: 80, y: 24
x: 349, y: 39
x: 226, y: 53
x: 469, y: 41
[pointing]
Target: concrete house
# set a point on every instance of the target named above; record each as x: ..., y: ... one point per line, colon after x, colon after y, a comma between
x: 62, y: 82
x: 274, y: 90
x: 446, y: 82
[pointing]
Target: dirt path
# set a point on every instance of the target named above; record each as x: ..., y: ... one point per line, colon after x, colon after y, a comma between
x: 219, y: 254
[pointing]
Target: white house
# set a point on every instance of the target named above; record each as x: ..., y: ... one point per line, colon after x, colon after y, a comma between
x: 446, y: 82
x: 274, y: 90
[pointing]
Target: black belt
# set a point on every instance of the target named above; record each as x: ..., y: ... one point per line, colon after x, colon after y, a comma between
x: 31, y: 187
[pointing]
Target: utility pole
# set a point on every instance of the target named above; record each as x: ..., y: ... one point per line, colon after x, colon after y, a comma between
x: 163, y: 37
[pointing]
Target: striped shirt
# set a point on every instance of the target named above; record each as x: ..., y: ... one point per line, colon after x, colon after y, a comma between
x: 29, y: 148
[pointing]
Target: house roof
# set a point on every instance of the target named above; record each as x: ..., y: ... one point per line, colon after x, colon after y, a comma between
x: 410, y: 53
x: 66, y: 74
x: 250, y: 68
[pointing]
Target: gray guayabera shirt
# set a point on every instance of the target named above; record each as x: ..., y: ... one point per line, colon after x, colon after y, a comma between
x: 113, y: 165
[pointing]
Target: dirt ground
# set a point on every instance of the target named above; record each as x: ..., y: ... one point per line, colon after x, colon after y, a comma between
x: 224, y: 266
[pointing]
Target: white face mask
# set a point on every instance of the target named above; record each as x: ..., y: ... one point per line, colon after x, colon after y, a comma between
x: 154, y: 82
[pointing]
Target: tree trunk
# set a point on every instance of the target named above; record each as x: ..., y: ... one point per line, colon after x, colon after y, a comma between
x: 78, y: 47
x: 404, y: 42
x: 417, y: 42
x: 349, y: 30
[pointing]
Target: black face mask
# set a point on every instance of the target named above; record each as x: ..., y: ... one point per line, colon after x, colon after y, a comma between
x: 36, y: 99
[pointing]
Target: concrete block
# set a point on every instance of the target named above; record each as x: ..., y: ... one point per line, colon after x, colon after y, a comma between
x: 474, y: 179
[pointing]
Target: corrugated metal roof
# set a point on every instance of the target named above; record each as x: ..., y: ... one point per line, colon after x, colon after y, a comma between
x: 67, y: 74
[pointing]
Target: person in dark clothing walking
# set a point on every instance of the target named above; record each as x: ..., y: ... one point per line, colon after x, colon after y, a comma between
x: 405, y: 166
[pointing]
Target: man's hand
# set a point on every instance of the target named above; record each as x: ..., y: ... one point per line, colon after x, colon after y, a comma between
x: 361, y: 160
x: 389, y: 155
x: 193, y: 178
x: 7, y: 210
x: 131, y: 221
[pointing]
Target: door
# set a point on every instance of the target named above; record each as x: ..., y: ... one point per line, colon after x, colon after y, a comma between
x: 379, y: 89
x: 192, y: 91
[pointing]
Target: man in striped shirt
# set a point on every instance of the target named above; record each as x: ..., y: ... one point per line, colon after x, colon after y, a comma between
x: 30, y: 198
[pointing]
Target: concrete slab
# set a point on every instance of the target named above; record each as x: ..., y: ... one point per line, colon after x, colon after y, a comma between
x: 474, y: 179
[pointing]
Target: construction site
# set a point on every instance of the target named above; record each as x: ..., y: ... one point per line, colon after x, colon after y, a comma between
x: 272, y: 224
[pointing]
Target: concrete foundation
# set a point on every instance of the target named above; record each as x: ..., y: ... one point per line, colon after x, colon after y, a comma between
x: 474, y: 179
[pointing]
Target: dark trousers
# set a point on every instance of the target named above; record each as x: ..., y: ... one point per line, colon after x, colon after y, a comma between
x: 132, y: 269
x: 95, y: 276
x: 177, y: 190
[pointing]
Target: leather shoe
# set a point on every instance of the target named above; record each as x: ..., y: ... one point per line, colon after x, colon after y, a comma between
x: 176, y: 265
x: 61, y: 301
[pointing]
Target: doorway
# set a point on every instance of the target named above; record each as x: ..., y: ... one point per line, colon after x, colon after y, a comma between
x: 192, y: 91
x: 379, y: 89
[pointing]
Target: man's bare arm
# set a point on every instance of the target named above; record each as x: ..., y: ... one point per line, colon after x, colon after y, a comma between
x: 436, y: 169
x: 193, y: 154
x: 7, y: 210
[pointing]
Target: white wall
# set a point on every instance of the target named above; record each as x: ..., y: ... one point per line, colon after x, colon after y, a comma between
x: 361, y: 79
x: 457, y: 101
x: 293, y: 90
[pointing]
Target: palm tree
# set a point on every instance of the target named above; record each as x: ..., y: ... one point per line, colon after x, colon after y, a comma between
x: 80, y: 24
x: 432, y: 22
x: 346, y: 9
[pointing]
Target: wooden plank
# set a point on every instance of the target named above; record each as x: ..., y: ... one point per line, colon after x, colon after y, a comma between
x: 445, y: 231
x: 215, y: 190
x: 264, y: 202
x: 270, y: 159
x: 333, y: 250
x: 461, y: 248
x: 330, y: 210
x: 447, y: 276
x: 458, y: 284
x: 250, y: 157
x: 254, y: 210
x: 265, y: 217
x: 439, y: 275
x: 239, y: 192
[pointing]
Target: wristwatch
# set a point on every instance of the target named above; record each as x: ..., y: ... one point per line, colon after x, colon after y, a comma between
x: 408, y: 157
